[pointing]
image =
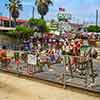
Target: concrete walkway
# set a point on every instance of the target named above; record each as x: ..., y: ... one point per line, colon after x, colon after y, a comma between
x: 14, y: 88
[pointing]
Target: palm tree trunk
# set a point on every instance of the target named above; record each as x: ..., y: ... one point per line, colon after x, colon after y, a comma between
x: 9, y: 18
x: 15, y: 22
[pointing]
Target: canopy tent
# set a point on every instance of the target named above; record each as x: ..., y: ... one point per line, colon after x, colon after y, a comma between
x: 89, y: 33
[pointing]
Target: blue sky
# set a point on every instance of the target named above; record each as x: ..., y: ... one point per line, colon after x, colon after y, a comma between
x: 81, y: 10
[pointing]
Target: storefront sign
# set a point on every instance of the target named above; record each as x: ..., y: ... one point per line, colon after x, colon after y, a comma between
x: 63, y: 15
x: 64, y: 26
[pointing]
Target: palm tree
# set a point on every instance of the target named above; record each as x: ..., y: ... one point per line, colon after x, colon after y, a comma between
x: 14, y: 7
x: 43, y: 7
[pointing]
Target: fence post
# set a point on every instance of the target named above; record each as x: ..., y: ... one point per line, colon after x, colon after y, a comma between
x: 18, y: 69
x: 70, y: 68
x: 16, y: 57
x: 92, y: 71
x: 64, y: 75
x: 86, y: 73
x: 17, y: 63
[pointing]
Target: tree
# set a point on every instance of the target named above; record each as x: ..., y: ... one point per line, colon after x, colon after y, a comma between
x: 92, y: 28
x: 43, y: 7
x: 39, y: 24
x: 14, y: 7
x: 24, y: 32
x: 11, y: 33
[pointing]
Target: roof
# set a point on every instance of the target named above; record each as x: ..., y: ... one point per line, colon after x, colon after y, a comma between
x: 76, y: 25
x: 21, y: 21
x: 4, y: 18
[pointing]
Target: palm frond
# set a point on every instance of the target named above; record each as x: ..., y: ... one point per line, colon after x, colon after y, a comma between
x: 14, y: 7
x: 20, y: 6
x: 50, y: 2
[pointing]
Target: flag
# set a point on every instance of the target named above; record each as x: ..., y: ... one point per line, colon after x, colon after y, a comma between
x: 61, y: 9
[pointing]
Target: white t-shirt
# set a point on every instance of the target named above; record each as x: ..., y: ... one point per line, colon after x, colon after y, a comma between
x: 31, y: 45
x: 85, y: 43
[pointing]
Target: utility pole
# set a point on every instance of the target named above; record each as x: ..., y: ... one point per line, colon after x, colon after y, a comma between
x: 96, y: 20
x: 9, y: 18
x: 34, y: 1
x: 1, y: 19
x: 33, y: 12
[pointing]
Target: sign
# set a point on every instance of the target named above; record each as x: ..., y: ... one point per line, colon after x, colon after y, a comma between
x: 64, y: 16
x: 32, y: 59
x: 64, y: 26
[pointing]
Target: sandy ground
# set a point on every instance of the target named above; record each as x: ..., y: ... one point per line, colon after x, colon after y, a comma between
x: 14, y: 88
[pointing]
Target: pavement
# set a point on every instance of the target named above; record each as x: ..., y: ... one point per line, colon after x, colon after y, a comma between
x: 15, y: 88
x: 56, y: 73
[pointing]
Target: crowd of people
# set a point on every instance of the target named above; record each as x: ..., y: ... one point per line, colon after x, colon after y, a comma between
x: 53, y: 53
x: 70, y: 47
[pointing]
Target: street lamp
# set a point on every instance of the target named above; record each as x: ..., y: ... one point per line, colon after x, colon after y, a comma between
x: 9, y: 18
x: 33, y: 10
x: 96, y: 20
x: 8, y: 7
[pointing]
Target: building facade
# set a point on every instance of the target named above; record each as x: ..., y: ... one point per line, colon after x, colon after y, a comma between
x: 7, y: 22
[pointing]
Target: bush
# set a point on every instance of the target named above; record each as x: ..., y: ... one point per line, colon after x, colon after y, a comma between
x: 39, y: 23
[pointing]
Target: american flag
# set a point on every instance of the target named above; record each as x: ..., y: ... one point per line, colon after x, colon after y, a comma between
x: 61, y: 9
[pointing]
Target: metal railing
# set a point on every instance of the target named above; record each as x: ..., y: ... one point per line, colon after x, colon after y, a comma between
x: 78, y: 71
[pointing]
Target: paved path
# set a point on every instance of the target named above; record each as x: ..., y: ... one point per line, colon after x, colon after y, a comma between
x: 14, y: 88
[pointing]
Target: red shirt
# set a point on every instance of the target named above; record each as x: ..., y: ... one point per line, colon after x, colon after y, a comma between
x: 2, y: 53
x: 78, y: 45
